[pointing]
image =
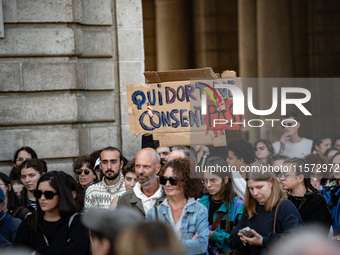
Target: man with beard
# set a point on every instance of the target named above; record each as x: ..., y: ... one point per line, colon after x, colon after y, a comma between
x: 163, y: 153
x: 101, y: 194
x: 147, y: 193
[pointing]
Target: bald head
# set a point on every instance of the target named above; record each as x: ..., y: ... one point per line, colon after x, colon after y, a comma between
x: 147, y: 166
x: 149, y: 153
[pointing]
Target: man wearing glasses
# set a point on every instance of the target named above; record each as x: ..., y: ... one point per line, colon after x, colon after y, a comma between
x: 103, y: 193
x: 291, y: 144
x: 147, y: 193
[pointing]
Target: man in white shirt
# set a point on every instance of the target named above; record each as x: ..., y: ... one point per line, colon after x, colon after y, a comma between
x: 291, y: 144
x: 147, y: 193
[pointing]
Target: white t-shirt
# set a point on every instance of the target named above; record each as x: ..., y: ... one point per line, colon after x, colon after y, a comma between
x: 299, y: 150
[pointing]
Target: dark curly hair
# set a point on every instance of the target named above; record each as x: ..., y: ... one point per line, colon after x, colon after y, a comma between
x: 181, y: 168
x: 242, y: 149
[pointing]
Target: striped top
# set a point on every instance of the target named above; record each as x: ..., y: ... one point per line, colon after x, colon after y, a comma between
x: 100, y: 195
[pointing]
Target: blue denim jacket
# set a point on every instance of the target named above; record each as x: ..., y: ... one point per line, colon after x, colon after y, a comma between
x: 194, y: 220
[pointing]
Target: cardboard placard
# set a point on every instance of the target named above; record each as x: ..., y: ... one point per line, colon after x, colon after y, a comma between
x: 177, y: 107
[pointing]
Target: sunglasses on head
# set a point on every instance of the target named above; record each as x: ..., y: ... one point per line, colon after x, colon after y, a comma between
x: 80, y: 171
x: 260, y: 148
x: 173, y: 180
x: 47, y: 194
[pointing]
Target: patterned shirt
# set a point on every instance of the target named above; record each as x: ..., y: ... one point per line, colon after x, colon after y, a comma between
x: 100, y: 195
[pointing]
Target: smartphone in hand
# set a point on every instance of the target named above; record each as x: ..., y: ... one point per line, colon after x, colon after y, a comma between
x: 247, y: 232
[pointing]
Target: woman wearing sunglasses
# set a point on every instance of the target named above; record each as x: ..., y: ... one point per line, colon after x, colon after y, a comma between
x: 263, y: 150
x: 224, y: 208
x: 187, y: 217
x: 84, y: 172
x: 55, y: 227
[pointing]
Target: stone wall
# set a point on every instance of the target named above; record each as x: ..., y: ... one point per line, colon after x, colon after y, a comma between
x: 64, y: 66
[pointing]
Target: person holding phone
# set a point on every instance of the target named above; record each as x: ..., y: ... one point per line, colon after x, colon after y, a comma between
x: 263, y: 194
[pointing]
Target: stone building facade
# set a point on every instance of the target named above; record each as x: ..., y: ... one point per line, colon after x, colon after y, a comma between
x: 64, y: 64
x: 63, y: 70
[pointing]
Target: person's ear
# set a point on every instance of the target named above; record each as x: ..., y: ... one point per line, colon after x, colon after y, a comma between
x: 301, y: 177
x: 158, y: 168
x: 121, y: 165
x: 271, y: 182
x: 317, y: 147
x: 9, y: 187
x: 226, y: 179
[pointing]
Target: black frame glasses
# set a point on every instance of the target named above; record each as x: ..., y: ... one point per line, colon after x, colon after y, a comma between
x: 173, y: 180
x: 48, y: 194
x: 80, y: 171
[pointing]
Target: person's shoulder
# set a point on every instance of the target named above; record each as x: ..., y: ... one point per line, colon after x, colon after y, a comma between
x: 125, y: 197
x: 204, y: 199
x: 315, y: 198
x: 307, y: 141
x: 198, y: 206
x: 276, y: 143
x: 128, y: 193
x: 287, y: 206
x: 94, y: 186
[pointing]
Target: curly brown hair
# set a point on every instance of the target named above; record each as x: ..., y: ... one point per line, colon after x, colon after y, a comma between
x: 181, y: 168
x: 80, y: 161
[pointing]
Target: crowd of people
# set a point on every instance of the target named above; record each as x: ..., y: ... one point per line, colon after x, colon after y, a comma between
x: 157, y: 202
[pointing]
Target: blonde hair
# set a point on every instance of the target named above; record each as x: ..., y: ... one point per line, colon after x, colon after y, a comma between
x: 277, y: 192
x: 148, y: 237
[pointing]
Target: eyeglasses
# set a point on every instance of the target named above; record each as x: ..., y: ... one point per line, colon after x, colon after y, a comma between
x: 285, y: 176
x: 20, y: 159
x: 47, y: 194
x: 80, y: 171
x: 173, y: 180
x: 260, y: 148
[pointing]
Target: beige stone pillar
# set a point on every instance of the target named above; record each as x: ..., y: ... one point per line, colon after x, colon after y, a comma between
x: 172, y: 37
x: 247, y: 42
x: 275, y: 57
x: 247, y: 38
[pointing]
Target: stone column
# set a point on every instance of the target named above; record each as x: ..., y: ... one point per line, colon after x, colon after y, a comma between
x: 248, y: 52
x: 172, y: 36
x: 247, y: 35
x: 275, y: 57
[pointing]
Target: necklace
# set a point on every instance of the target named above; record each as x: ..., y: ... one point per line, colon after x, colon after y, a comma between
x: 217, y: 201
